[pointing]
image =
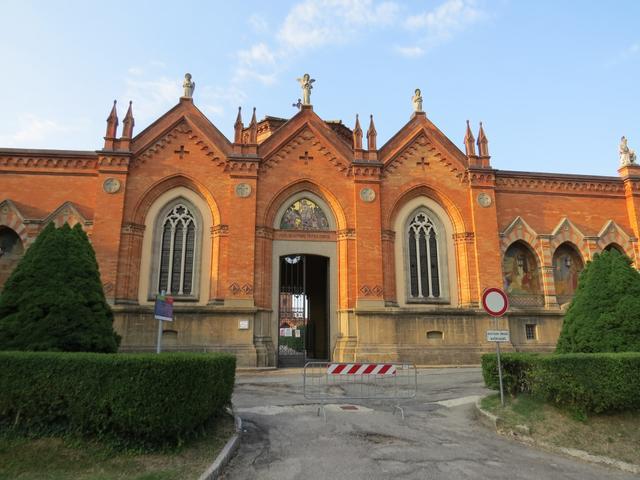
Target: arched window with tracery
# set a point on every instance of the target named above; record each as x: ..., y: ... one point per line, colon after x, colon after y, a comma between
x: 424, y: 254
x: 179, y: 229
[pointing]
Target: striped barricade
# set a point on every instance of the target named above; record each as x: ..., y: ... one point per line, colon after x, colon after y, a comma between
x: 327, y: 382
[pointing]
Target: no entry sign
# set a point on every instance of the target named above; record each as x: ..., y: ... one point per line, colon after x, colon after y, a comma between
x: 495, y: 301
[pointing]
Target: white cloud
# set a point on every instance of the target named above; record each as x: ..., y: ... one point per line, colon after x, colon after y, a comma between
x: 257, y: 54
x: 34, y: 131
x: 312, y: 24
x: 258, y: 23
x: 410, y: 52
x: 241, y: 74
x: 442, y: 23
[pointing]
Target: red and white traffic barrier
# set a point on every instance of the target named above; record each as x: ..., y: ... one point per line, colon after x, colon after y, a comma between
x: 361, y: 369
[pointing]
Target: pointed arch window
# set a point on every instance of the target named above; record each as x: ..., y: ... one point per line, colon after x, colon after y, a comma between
x: 424, y: 258
x: 178, y: 251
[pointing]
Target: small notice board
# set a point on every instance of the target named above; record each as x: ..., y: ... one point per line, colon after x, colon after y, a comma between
x: 164, y: 308
x: 498, y: 336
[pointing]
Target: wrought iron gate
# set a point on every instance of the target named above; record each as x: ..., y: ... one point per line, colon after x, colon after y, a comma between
x: 293, y: 312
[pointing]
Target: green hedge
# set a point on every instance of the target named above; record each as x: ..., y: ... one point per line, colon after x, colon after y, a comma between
x: 515, y: 368
x: 588, y: 382
x: 144, y: 400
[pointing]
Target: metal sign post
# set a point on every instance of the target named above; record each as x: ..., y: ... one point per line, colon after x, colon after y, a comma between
x: 496, y: 303
x: 163, y: 312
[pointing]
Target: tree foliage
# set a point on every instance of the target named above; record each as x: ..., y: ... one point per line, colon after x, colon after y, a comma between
x: 54, y: 300
x: 605, y: 313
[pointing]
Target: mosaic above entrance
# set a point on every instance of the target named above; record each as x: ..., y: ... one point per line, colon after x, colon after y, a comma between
x: 304, y: 214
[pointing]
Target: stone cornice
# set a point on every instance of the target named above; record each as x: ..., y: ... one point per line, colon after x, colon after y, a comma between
x: 52, y: 159
x: 561, y: 183
x: 347, y: 234
x: 110, y: 160
x: 371, y: 170
x: 479, y: 177
x: 130, y: 228
x: 220, y: 230
x: 242, y: 165
x: 388, y: 235
x: 463, y: 237
x: 264, y: 232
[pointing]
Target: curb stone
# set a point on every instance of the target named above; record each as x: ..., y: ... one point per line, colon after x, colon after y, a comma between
x: 492, y: 421
x: 215, y: 469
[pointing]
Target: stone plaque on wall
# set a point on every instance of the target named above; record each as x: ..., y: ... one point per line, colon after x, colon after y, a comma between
x: 111, y: 185
x: 367, y: 195
x: 484, y: 200
x: 243, y: 190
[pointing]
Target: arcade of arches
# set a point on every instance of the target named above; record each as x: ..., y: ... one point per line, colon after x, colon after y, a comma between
x: 295, y: 242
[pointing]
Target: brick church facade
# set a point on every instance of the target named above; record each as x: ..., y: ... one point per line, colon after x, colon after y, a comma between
x: 302, y: 239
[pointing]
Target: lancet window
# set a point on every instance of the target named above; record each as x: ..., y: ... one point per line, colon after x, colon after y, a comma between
x: 424, y: 258
x: 177, y: 251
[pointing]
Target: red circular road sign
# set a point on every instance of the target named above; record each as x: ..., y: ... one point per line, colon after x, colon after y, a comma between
x: 495, y: 301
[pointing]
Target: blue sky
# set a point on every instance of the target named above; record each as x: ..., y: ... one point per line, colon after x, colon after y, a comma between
x: 555, y: 83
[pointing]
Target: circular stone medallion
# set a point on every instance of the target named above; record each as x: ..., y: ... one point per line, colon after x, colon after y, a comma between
x: 484, y: 200
x: 111, y: 185
x: 243, y: 190
x: 367, y: 195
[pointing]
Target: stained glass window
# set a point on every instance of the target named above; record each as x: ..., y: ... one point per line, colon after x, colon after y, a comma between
x: 424, y: 260
x: 304, y: 214
x: 177, y: 254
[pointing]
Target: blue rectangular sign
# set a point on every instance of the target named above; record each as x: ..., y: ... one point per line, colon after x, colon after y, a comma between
x: 164, y: 308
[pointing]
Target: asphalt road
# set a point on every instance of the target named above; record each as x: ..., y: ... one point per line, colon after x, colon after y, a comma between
x: 285, y: 438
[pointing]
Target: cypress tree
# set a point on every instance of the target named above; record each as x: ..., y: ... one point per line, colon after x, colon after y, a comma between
x: 605, y: 313
x: 54, y: 299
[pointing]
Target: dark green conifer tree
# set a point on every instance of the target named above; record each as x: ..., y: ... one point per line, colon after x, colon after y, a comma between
x: 54, y: 298
x: 605, y: 313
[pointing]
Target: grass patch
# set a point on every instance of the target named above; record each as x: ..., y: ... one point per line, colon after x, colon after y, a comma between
x: 54, y: 458
x: 613, y: 435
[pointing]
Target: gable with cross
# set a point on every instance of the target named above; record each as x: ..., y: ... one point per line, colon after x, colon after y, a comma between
x: 306, y: 157
x: 181, y: 151
x: 423, y: 163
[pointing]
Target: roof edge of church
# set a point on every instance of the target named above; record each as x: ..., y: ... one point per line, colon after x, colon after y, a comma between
x: 568, y: 176
x: 48, y: 152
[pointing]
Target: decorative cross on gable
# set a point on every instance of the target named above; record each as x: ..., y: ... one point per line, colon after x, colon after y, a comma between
x: 181, y: 152
x: 423, y: 163
x: 305, y: 158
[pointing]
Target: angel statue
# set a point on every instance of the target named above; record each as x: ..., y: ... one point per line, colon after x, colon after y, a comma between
x: 305, y: 83
x: 188, y: 86
x: 627, y: 155
x: 417, y: 101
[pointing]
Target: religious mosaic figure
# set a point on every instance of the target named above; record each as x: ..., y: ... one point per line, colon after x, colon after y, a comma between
x: 305, y: 83
x: 417, y: 101
x: 627, y: 155
x: 567, y: 266
x: 520, y: 271
x: 304, y: 215
x: 188, y: 85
